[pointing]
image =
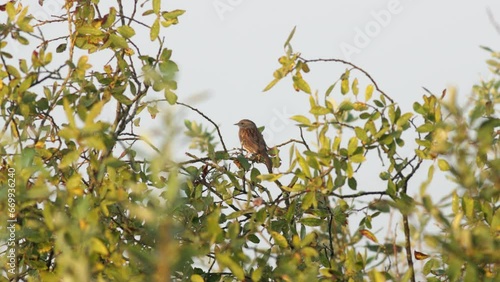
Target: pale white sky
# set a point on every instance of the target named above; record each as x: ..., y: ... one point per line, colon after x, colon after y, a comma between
x: 229, y: 49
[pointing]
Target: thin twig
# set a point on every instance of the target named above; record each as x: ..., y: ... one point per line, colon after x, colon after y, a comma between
x: 406, y: 227
x: 360, y: 194
x: 355, y: 67
x: 291, y: 141
x: 303, y: 140
x: 207, y: 118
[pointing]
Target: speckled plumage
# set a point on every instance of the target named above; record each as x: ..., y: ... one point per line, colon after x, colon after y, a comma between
x: 252, y: 140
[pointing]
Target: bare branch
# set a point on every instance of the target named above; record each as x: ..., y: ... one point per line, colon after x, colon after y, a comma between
x: 355, y: 67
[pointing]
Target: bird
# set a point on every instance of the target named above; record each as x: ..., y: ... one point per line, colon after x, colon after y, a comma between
x: 253, y: 142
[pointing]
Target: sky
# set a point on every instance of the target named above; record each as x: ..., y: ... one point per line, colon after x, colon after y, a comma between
x: 227, y: 51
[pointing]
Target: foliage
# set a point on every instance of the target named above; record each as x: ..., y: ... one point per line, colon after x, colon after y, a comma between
x: 85, y: 206
x: 90, y: 207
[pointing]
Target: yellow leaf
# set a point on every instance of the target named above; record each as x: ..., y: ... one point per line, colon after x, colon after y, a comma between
x: 300, y: 83
x: 443, y: 165
x: 155, y: 30
x: 368, y: 92
x: 196, y: 278
x: 279, y: 239
x: 271, y: 84
x: 39, y: 144
x: 420, y: 256
x: 355, y: 89
x: 368, y: 235
x: 344, y: 87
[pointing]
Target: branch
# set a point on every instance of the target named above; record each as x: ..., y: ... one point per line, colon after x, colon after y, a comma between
x: 291, y: 141
x: 406, y: 224
x: 303, y: 140
x: 360, y: 194
x: 406, y: 227
x: 355, y: 67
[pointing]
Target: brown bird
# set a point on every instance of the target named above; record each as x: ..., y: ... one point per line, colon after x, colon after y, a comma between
x: 252, y: 140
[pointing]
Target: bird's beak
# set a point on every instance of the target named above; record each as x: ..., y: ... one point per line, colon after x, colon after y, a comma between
x: 236, y: 124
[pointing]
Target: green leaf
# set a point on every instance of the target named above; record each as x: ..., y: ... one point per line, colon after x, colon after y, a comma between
x: 271, y: 84
x: 118, y: 41
x: 468, y: 206
x: 352, y: 183
x: 301, y: 84
x: 426, y: 127
x: 226, y: 260
x: 319, y: 111
x: 359, y: 158
x: 355, y: 89
x: 61, y: 48
x: 346, y: 106
x: 418, y: 108
x: 156, y: 6
x: 88, y: 30
x: 120, y: 97
x: 13, y: 71
x: 69, y: 158
x: 303, y: 164
x: 110, y: 19
x: 287, y: 42
x: 196, y: 278
x: 352, y: 146
x: 361, y: 134
x: 329, y: 90
x: 349, y: 169
x: 344, y: 87
x: 309, y: 200
x: 301, y: 119
x: 384, y: 175
x: 455, y: 205
x: 172, y: 14
x: 155, y: 30
x: 430, y: 265
x: 443, y: 165
x: 279, y: 239
x: 378, y: 103
x: 392, y: 114
x: 269, y: 177
x: 170, y: 96
x: 312, y: 221
x: 126, y: 31
x: 98, y: 246
x: 403, y: 120
x: 11, y: 10
x: 168, y: 68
